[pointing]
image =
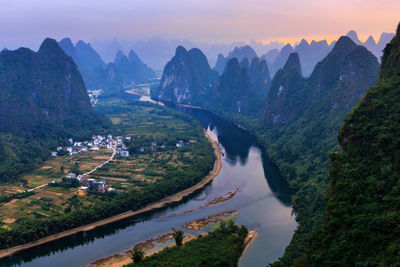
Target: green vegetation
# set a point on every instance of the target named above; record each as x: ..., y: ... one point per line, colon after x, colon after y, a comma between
x: 184, y: 168
x: 222, y: 247
x: 4, y: 199
x: 178, y: 236
x: 362, y: 223
x: 66, y: 183
x: 43, y: 102
x: 300, y: 126
x: 137, y: 255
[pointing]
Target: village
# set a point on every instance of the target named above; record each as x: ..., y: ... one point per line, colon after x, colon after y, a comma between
x: 85, y: 181
x: 98, y: 142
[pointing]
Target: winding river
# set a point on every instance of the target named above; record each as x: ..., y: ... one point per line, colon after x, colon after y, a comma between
x: 262, y: 202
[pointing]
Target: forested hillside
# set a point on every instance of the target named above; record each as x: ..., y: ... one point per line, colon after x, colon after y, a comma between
x: 362, y: 223
x: 299, y: 122
x: 43, y: 101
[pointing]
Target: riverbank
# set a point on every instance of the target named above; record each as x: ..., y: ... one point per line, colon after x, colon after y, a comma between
x: 248, y: 240
x: 157, y: 205
x: 121, y: 259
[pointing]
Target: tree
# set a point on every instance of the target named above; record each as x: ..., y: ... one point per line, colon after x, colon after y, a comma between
x: 178, y: 236
x: 137, y: 255
x: 227, y: 227
x: 75, y: 169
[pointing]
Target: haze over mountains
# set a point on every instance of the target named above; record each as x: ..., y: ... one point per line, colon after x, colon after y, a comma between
x: 124, y: 71
x: 156, y: 52
x: 242, y: 84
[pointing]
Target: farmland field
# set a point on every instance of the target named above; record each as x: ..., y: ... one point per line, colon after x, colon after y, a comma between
x: 143, y: 124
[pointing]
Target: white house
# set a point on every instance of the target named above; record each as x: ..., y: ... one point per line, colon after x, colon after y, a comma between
x: 71, y: 175
x: 180, y: 144
x: 124, y: 153
x: 54, y: 154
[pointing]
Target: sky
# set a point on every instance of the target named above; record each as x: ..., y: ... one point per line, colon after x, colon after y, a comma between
x: 28, y: 22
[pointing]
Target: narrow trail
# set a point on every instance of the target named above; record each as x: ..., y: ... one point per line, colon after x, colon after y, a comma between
x: 87, y: 173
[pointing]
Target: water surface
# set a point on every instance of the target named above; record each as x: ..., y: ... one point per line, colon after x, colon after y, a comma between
x: 263, y: 204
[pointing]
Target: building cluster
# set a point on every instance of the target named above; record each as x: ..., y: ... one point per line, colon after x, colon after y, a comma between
x: 94, y: 95
x: 88, y: 183
x: 153, y: 146
x: 97, y: 142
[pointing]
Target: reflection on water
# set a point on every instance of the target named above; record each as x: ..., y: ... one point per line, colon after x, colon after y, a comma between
x: 262, y: 200
x: 237, y: 143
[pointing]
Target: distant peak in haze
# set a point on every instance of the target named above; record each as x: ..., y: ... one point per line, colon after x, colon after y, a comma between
x: 243, y: 52
x: 370, y: 41
x: 293, y: 62
x: 353, y: 36
x: 133, y: 56
x: 67, y: 41
x: 118, y: 56
x: 180, y: 50
x: 303, y: 42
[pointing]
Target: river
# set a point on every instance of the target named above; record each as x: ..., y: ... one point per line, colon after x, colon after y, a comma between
x: 262, y: 202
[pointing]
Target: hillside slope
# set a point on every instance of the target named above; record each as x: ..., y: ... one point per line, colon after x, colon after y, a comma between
x: 43, y: 101
x: 362, y: 225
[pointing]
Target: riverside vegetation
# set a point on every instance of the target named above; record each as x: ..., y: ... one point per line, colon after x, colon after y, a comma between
x: 298, y: 122
x: 222, y: 247
x: 164, y: 172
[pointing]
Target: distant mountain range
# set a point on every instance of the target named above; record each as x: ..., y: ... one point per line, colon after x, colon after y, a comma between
x: 337, y: 82
x: 156, y: 51
x: 239, y: 53
x: 375, y: 47
x: 89, y: 62
x: 188, y: 79
x: 309, y: 53
x: 124, y: 71
x: 128, y: 70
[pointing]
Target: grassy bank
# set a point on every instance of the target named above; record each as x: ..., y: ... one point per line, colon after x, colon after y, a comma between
x: 162, y: 173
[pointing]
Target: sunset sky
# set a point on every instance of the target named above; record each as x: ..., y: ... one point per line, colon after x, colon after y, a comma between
x: 27, y: 22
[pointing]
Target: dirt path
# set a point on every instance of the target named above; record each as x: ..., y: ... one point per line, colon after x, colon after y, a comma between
x: 101, y: 165
x: 104, y: 163
x: 174, y: 198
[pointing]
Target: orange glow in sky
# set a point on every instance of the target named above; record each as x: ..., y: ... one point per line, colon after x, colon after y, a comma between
x: 211, y: 21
